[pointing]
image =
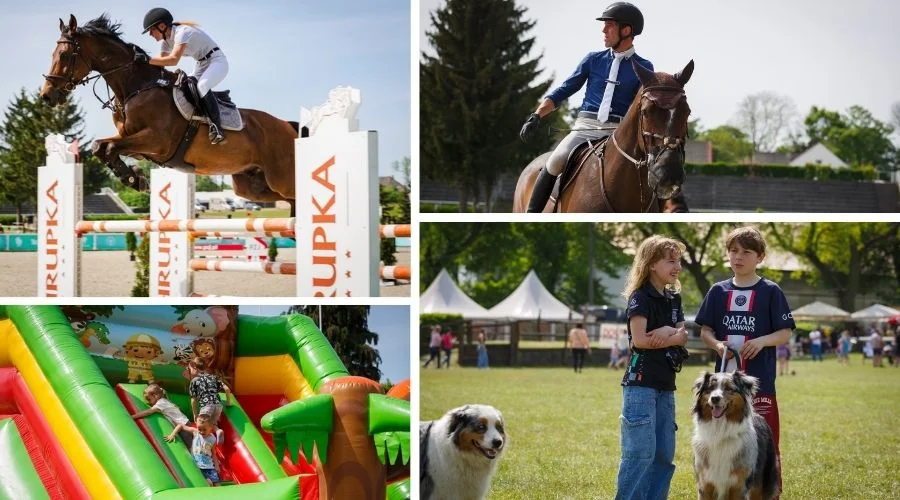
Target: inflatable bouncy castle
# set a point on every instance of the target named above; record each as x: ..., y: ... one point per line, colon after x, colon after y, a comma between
x: 72, y: 377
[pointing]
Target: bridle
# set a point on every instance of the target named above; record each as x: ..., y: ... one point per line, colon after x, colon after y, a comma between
x: 69, y: 80
x: 648, y: 139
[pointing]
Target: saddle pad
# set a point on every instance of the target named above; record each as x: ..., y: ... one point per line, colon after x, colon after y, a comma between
x: 231, y: 116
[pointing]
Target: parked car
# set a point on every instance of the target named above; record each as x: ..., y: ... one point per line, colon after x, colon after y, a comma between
x: 199, y: 207
x: 249, y: 205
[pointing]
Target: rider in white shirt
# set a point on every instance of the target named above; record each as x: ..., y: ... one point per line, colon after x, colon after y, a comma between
x: 186, y: 39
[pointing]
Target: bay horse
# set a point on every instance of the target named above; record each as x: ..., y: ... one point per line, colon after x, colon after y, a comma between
x: 639, y: 168
x: 259, y: 158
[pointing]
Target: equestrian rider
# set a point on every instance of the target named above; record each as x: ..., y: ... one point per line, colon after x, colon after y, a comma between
x: 185, y: 39
x: 611, y: 87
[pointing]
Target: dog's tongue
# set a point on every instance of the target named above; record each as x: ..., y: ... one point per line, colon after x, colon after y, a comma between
x: 490, y: 453
x: 717, y: 412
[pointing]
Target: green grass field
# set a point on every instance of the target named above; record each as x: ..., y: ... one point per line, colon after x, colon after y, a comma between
x: 840, y: 428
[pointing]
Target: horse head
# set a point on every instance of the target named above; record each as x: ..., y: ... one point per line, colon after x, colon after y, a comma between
x: 78, y: 53
x: 664, y: 113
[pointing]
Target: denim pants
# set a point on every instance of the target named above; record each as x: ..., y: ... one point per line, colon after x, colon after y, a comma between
x: 648, y: 444
x: 816, y: 351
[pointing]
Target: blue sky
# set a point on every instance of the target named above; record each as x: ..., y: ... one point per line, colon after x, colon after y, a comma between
x: 391, y: 323
x: 283, y: 55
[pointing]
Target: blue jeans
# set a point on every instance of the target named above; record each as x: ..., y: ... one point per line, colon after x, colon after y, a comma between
x: 816, y: 352
x: 648, y: 444
x: 482, y: 356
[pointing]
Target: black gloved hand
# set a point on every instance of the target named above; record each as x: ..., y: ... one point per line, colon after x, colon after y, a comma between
x: 140, y: 57
x: 530, y: 126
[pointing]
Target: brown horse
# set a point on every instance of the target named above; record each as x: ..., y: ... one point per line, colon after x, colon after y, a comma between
x: 639, y: 168
x: 260, y: 158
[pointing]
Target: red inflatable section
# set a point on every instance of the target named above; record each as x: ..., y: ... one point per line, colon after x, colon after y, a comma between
x: 49, y: 460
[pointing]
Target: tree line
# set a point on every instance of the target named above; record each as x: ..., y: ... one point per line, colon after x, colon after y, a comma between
x: 844, y: 259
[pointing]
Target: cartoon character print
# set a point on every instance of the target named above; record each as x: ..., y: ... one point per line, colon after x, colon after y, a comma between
x: 204, y: 323
x: 205, y: 349
x: 94, y: 329
x: 139, y: 352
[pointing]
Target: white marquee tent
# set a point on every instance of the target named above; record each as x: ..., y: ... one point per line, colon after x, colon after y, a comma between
x: 820, y: 311
x: 444, y: 296
x: 530, y: 301
x: 876, y: 312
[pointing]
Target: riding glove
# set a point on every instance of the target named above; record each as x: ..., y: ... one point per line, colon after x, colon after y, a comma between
x: 530, y: 126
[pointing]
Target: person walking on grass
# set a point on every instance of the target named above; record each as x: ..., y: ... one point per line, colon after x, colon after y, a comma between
x: 434, y: 346
x: 580, y: 345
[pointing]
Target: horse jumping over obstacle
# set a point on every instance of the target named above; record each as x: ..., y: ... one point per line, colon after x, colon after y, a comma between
x: 639, y: 168
x: 259, y: 158
x: 336, y: 229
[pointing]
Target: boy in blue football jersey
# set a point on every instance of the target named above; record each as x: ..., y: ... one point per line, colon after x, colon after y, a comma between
x: 754, y: 308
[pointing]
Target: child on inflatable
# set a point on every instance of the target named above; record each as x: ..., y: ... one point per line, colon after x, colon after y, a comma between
x: 204, y: 390
x: 203, y: 448
x: 159, y: 402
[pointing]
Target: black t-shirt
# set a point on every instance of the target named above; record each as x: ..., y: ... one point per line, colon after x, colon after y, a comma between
x: 649, y: 367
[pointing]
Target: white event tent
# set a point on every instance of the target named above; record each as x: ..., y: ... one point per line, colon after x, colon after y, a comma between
x: 820, y: 311
x: 443, y: 296
x: 530, y: 301
x: 876, y: 312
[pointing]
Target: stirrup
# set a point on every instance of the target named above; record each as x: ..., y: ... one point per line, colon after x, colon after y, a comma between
x: 215, y: 135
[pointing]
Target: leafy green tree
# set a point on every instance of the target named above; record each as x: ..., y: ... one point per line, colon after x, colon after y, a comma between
x: 207, y: 183
x: 347, y: 329
x: 847, y: 258
x: 855, y: 137
x: 26, y: 124
x: 476, y: 91
x: 499, y: 255
x: 141, y: 287
x: 730, y: 145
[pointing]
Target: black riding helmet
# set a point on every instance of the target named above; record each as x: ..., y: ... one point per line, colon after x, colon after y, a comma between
x: 156, y: 16
x: 624, y: 13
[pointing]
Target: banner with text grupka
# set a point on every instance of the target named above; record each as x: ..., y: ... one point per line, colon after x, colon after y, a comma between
x: 337, y: 202
x: 60, y: 196
x: 171, y: 197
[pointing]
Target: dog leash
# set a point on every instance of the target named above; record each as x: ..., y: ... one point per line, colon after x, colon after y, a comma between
x: 737, y: 356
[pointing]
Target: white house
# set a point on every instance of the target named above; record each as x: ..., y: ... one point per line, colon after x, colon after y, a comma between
x: 817, y: 154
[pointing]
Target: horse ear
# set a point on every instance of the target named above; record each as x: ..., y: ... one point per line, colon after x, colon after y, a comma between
x: 62, y: 26
x: 643, y: 74
x: 72, y: 24
x: 684, y: 75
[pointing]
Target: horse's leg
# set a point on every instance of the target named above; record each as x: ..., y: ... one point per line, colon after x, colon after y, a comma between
x: 107, y: 151
x: 252, y: 185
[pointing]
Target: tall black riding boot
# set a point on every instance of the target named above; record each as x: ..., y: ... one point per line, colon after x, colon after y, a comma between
x: 215, y: 121
x: 540, y: 193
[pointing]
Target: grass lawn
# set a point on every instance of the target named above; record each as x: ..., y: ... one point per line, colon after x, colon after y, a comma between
x: 839, y: 428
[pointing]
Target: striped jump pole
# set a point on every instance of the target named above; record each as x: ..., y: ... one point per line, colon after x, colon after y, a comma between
x: 385, y: 231
x: 235, y: 226
x: 395, y: 273
x: 395, y: 231
x: 244, y: 267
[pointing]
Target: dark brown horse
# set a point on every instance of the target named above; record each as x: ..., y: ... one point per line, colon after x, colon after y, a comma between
x: 639, y: 168
x: 260, y: 158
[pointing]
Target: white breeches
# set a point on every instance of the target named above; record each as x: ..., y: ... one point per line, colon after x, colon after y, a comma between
x: 211, y: 72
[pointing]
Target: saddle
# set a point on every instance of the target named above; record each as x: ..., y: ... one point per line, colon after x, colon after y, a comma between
x: 574, y: 163
x: 187, y: 99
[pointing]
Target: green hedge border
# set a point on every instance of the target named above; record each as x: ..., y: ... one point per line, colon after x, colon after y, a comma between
x: 809, y: 171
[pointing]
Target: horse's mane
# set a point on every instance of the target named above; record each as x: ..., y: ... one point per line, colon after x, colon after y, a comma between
x: 103, y: 26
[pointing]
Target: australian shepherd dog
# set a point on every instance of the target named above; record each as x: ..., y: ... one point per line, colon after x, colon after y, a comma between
x: 734, y: 455
x: 460, y: 452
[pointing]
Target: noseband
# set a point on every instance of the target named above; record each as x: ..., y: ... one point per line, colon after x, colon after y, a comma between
x: 651, y: 152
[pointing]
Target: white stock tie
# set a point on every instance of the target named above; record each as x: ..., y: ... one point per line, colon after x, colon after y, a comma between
x: 611, y: 82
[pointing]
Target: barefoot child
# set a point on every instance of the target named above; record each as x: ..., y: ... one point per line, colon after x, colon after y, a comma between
x: 203, y: 449
x: 158, y: 400
x: 204, y: 390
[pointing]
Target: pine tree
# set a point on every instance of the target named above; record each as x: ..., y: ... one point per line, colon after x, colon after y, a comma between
x: 476, y: 91
x: 347, y: 328
x: 26, y: 124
